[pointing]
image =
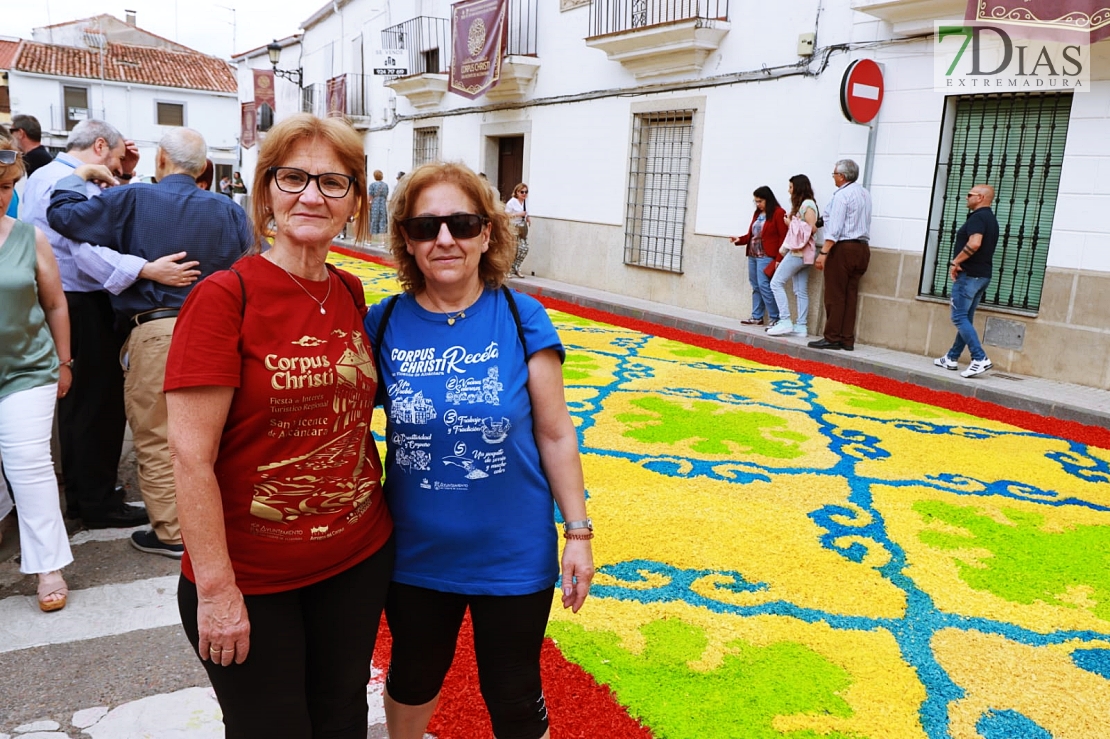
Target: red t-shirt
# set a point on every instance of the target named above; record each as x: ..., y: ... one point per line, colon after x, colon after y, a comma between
x: 298, y: 469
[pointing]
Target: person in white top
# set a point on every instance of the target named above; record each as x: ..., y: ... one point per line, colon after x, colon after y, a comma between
x: 517, y: 208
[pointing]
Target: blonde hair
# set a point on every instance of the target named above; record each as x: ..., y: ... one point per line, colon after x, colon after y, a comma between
x: 495, y: 261
x: 518, y: 188
x: 279, y: 144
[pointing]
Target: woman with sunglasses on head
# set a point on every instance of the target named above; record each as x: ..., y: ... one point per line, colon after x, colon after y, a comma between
x: 270, y: 386
x: 517, y: 208
x: 35, y: 370
x: 480, y: 443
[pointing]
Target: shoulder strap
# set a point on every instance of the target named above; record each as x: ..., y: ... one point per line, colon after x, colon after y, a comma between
x: 516, y: 317
x: 380, y: 397
x: 242, y: 294
x: 334, y: 271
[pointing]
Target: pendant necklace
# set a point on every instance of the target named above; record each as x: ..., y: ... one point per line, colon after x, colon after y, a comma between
x: 451, y: 317
x: 306, y: 292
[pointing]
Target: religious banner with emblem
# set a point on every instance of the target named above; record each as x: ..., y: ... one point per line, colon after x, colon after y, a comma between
x: 264, y: 89
x: 478, y: 31
x: 247, y: 135
x: 337, y: 95
x: 1046, y: 16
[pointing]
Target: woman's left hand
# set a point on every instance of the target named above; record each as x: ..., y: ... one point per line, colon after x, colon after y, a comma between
x: 578, y: 572
x: 65, y: 380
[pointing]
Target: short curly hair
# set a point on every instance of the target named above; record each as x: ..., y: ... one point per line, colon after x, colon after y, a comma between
x: 495, y: 261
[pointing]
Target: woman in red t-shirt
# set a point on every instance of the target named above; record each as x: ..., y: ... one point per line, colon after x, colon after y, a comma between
x: 270, y: 386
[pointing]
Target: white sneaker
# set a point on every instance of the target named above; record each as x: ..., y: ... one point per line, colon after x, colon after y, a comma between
x: 800, y: 329
x: 977, y: 368
x: 946, y: 363
x: 782, y: 327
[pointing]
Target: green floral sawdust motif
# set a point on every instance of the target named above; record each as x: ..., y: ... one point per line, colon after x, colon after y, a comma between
x: 738, y: 700
x: 865, y: 400
x: 570, y: 319
x: 713, y: 429
x: 579, y: 366
x: 687, y: 351
x: 1029, y: 563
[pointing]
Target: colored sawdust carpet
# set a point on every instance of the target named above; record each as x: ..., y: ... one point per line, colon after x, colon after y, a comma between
x: 788, y: 550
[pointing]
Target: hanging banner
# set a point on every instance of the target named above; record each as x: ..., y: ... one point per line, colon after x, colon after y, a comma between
x: 264, y: 88
x: 337, y: 95
x: 478, y: 31
x: 247, y: 137
x: 1042, y: 17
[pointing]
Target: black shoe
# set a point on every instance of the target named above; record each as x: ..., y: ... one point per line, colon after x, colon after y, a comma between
x: 825, y: 344
x: 148, y: 541
x: 122, y: 517
x: 847, y: 348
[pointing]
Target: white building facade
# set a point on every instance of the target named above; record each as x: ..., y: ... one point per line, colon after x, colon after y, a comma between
x: 642, y: 129
x: 141, y: 88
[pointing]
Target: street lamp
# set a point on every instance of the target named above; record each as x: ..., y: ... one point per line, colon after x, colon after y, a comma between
x: 293, y: 75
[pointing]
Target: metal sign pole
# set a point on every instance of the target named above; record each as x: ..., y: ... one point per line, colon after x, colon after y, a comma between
x: 869, y: 162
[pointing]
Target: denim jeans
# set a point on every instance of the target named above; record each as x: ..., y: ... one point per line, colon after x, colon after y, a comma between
x: 966, y: 294
x: 763, y: 300
x: 792, y: 266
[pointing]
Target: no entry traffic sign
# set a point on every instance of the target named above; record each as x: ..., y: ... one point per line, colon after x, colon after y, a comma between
x: 861, y: 91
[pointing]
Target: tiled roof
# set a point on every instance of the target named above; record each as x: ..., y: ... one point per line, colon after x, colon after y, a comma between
x: 7, y: 53
x: 142, y: 65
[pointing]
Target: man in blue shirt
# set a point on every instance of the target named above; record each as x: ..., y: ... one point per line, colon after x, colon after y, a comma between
x: 844, y: 257
x: 971, y: 270
x: 91, y: 419
x: 152, y: 221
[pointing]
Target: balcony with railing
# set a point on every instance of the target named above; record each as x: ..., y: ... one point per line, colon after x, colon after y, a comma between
x: 656, y: 38
x: 427, y: 45
x: 521, y: 61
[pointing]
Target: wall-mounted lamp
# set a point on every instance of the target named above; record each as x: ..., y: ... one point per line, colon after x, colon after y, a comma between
x: 293, y: 75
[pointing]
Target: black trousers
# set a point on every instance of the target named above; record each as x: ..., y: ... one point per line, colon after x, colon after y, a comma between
x: 508, y: 637
x: 306, y: 673
x: 90, y: 418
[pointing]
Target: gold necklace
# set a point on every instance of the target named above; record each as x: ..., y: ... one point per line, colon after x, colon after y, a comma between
x: 452, y: 317
x: 306, y: 292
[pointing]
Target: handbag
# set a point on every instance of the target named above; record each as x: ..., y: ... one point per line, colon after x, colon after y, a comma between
x: 522, y: 230
x: 799, y: 237
x: 769, y: 270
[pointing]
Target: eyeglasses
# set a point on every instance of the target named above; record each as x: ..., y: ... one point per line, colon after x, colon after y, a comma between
x: 293, y: 180
x: 461, y: 226
x: 523, y: 192
x: 8, y: 156
x: 973, y: 194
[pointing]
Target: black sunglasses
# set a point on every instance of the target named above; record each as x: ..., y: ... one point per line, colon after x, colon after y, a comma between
x: 461, y: 226
x: 8, y: 156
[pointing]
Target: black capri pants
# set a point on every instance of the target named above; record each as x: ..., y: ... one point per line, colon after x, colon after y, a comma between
x: 508, y: 637
x: 306, y: 674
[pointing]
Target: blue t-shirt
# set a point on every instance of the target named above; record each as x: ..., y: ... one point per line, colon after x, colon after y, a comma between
x: 472, y: 509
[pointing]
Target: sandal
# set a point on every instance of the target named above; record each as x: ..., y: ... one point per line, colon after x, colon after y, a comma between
x: 51, y: 586
x: 752, y: 321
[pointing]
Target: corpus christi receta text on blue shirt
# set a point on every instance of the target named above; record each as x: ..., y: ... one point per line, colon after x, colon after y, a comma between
x: 425, y: 361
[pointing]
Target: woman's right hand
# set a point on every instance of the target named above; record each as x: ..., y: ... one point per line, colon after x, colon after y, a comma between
x: 223, y: 624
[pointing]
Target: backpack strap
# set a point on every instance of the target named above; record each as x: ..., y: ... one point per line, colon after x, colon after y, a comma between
x: 516, y: 317
x: 334, y: 271
x: 242, y: 294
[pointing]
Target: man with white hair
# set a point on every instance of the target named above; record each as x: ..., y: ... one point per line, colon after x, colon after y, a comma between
x: 91, y: 418
x: 151, y: 221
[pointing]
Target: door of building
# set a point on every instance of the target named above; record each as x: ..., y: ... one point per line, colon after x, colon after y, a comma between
x: 510, y: 165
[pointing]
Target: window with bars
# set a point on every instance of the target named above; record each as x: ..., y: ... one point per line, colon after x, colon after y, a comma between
x: 425, y: 146
x: 1016, y: 144
x: 658, y: 186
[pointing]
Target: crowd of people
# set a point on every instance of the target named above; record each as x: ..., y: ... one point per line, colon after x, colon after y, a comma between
x: 249, y: 371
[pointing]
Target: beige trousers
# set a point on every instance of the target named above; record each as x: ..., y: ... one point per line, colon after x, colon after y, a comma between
x: 144, y: 366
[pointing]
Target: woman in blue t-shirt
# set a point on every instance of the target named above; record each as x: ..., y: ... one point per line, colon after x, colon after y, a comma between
x: 480, y: 443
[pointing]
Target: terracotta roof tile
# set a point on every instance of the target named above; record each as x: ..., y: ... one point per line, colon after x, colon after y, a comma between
x: 7, y: 53
x: 143, y: 65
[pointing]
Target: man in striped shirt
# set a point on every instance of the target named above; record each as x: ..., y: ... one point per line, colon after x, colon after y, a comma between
x: 844, y: 256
